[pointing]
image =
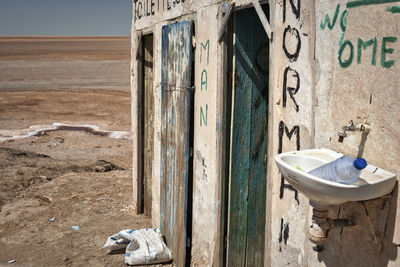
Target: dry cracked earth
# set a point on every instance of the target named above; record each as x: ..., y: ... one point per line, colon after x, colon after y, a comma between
x: 76, y: 177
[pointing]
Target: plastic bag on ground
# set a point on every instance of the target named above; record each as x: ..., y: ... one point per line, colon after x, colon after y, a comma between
x: 144, y: 246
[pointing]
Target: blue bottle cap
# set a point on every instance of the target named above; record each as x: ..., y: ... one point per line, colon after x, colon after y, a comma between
x: 360, y: 163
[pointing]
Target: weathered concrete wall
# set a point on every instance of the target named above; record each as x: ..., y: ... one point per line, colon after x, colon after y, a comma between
x: 315, y: 89
x: 205, y: 181
x: 349, y: 85
x: 360, y: 84
x: 134, y: 110
x: 205, y: 191
x: 291, y: 127
x: 155, y: 211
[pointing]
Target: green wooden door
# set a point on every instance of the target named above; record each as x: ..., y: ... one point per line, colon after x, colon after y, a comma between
x: 249, y: 142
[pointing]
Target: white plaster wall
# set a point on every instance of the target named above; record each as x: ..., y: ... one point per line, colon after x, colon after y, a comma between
x: 162, y: 13
x: 365, y: 94
x: 155, y: 209
x: 206, y: 177
x: 134, y: 116
x: 205, y: 180
x: 289, y: 216
x: 329, y: 96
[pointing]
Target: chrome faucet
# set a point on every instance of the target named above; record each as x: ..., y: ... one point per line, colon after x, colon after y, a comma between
x: 352, y: 127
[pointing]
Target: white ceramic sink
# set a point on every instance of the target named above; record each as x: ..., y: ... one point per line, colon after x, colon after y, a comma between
x: 373, y: 183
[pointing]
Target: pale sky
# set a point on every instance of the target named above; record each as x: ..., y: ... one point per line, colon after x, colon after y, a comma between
x: 65, y: 17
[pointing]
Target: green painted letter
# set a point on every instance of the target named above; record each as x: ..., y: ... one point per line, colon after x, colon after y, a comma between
x: 346, y: 63
x: 361, y: 45
x: 204, y: 80
x: 204, y: 47
x: 384, y: 51
x: 202, y: 118
x: 328, y: 20
x: 343, y: 20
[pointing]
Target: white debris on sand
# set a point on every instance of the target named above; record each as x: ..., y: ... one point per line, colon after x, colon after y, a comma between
x: 7, y: 135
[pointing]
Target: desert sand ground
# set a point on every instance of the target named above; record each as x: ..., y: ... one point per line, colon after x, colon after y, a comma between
x: 77, y: 177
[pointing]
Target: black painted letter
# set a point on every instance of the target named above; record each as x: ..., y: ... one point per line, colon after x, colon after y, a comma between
x: 287, y: 88
x: 292, y: 55
x: 282, y: 130
x: 295, y: 10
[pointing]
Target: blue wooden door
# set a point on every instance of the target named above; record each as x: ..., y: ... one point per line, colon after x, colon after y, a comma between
x: 249, y: 142
x: 177, y: 58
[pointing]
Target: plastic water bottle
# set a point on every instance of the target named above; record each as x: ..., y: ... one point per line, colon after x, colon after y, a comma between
x: 345, y: 170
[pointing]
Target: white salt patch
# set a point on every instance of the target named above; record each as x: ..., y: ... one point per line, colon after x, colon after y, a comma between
x: 6, y: 135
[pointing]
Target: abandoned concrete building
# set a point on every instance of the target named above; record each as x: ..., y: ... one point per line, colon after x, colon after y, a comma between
x: 219, y: 88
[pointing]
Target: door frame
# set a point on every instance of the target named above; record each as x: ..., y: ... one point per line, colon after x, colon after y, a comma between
x: 143, y: 194
x: 225, y: 102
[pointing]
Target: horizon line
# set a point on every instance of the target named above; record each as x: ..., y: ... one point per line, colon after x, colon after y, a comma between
x: 64, y: 36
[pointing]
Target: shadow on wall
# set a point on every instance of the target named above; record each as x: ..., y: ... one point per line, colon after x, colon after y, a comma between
x: 370, y: 242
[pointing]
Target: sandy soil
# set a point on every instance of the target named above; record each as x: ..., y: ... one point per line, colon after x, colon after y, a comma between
x: 76, y: 177
x: 64, y: 63
x: 108, y: 109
